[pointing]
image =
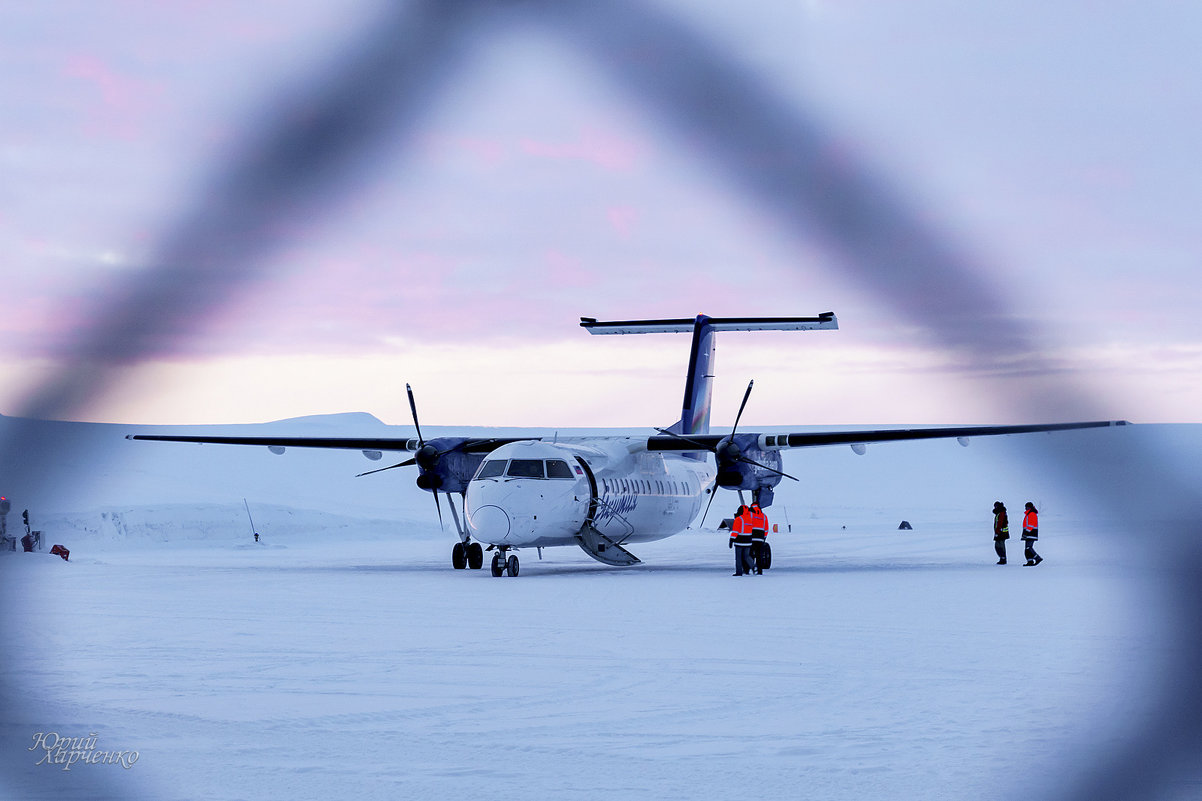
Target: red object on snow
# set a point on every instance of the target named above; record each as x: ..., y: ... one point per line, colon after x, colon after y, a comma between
x: 60, y: 551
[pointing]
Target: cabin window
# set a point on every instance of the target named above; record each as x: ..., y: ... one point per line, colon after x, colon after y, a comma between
x: 492, y: 468
x: 525, y: 468
x: 558, y: 468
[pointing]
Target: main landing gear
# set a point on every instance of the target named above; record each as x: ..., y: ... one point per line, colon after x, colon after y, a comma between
x: 471, y: 554
x: 465, y: 553
x: 501, y: 565
x: 468, y: 554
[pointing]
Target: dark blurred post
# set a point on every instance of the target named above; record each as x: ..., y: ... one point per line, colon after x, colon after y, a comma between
x: 5, y: 505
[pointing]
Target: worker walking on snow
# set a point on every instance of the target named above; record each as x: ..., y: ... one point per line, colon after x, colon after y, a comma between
x: 1031, y: 534
x: 1001, y: 531
x: 740, y: 540
x: 759, y: 537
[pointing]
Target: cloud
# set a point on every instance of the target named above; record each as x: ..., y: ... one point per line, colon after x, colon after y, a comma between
x: 119, y: 102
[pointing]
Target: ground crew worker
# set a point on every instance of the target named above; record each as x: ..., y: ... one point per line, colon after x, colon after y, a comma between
x: 759, y: 536
x: 1031, y: 534
x: 1001, y: 531
x: 740, y: 540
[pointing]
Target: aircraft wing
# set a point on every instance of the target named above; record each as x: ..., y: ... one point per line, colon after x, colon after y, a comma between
x: 810, y: 439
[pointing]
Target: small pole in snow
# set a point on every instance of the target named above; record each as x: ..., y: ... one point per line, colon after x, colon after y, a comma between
x: 252, y: 520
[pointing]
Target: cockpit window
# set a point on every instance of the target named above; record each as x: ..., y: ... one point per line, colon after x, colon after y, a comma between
x: 525, y: 468
x: 492, y: 468
x: 558, y: 468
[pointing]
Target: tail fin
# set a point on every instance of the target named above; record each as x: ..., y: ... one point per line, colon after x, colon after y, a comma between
x: 698, y: 388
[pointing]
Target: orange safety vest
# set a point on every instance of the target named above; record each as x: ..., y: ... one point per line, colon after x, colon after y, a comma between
x: 1030, y: 521
x: 759, y: 523
x: 740, y: 529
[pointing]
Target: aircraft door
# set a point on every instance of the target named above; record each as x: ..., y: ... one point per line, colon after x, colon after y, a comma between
x: 593, y: 542
x: 592, y: 489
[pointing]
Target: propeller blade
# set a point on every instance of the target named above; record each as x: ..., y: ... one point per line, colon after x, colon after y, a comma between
x: 713, y: 494
x: 438, y: 506
x: 413, y: 408
x: 742, y: 405
x: 405, y: 463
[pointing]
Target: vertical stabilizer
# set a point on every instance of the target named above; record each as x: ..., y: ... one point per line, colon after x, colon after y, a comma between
x: 699, y: 381
x: 698, y: 388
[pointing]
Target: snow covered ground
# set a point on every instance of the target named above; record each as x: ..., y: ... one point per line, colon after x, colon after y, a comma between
x: 341, y: 657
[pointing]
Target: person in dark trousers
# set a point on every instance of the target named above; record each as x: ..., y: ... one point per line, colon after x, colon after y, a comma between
x: 1031, y: 534
x: 1001, y: 531
x: 740, y: 540
x: 759, y: 536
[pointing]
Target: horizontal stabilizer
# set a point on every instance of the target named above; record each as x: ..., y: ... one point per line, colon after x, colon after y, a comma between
x: 826, y: 320
x: 482, y: 445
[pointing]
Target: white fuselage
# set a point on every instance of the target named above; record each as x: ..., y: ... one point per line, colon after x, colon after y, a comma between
x: 539, y: 494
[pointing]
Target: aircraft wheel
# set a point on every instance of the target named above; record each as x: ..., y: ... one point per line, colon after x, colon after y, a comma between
x: 498, y: 566
x: 458, y: 556
x: 475, y: 556
x: 765, y: 556
x: 512, y: 565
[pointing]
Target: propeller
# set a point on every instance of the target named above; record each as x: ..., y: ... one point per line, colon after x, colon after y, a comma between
x: 727, y: 450
x: 426, y: 458
x: 730, y: 450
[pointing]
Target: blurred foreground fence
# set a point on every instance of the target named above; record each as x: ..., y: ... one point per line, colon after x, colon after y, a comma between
x: 770, y: 152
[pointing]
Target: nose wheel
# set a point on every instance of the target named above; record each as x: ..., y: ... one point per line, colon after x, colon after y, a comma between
x: 501, y: 565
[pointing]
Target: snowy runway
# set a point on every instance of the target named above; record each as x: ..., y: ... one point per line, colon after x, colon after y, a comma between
x: 866, y: 663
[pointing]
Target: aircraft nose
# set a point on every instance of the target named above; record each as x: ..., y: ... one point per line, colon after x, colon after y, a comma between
x: 490, y: 524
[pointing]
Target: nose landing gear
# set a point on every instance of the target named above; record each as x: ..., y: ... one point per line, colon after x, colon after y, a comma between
x: 501, y: 565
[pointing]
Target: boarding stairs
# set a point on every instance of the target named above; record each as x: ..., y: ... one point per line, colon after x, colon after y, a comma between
x: 604, y: 549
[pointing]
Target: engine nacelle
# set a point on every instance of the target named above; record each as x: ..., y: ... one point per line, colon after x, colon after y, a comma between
x: 741, y: 465
x: 444, y: 467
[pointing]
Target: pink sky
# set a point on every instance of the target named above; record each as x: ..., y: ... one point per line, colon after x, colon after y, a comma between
x: 458, y: 252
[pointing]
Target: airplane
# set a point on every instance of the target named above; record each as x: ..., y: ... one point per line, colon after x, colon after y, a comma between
x: 604, y: 493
